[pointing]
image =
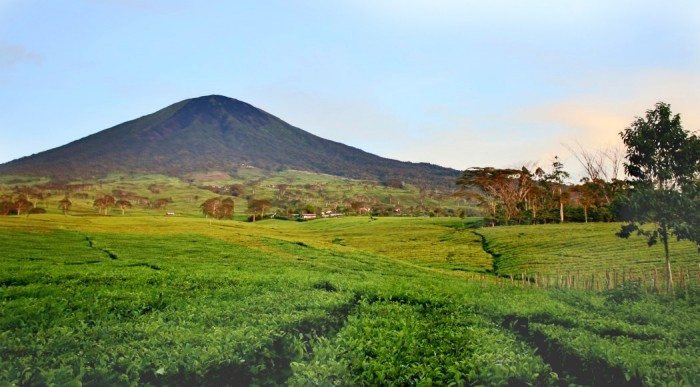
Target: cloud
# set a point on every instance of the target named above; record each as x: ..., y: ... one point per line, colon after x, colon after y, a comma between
x: 596, y: 108
x: 607, y: 104
x: 12, y: 55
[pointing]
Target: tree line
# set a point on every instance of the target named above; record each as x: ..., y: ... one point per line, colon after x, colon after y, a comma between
x: 535, y: 195
x: 658, y: 199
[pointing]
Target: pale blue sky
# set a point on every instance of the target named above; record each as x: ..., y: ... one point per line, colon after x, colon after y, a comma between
x: 457, y: 83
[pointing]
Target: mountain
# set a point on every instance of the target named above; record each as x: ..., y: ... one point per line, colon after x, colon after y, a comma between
x: 216, y: 133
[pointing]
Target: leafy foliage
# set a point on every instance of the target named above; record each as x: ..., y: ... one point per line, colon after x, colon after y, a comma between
x: 663, y: 160
x: 144, y: 300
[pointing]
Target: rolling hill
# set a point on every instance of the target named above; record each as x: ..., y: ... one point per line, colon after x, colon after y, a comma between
x: 216, y: 133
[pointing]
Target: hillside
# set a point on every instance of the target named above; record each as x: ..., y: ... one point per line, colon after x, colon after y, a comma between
x: 216, y: 133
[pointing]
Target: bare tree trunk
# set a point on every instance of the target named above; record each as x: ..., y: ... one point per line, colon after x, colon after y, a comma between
x: 561, y: 207
x: 561, y: 212
x: 664, y: 239
x: 585, y: 214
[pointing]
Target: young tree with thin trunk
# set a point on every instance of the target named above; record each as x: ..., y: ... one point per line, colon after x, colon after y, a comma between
x: 122, y: 204
x: 227, y: 208
x: 64, y: 205
x: 589, y: 195
x: 663, y: 161
x: 104, y: 202
x: 258, y: 206
x: 556, y: 179
x: 22, y: 205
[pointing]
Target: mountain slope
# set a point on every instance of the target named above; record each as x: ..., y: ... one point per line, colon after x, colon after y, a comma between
x: 215, y: 133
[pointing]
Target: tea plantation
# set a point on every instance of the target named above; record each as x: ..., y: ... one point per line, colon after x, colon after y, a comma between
x: 146, y: 300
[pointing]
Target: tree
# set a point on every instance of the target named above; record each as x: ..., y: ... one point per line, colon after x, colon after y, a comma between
x: 6, y: 206
x: 162, y: 202
x: 663, y: 161
x: 556, y: 180
x: 64, y: 205
x: 508, y: 188
x: 123, y: 204
x: 281, y: 190
x: 256, y: 206
x: 218, y: 208
x: 210, y: 207
x: 104, y: 202
x: 589, y: 195
x: 22, y: 205
x: 227, y: 207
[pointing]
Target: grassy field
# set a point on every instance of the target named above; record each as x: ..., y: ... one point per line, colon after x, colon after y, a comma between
x: 187, y: 194
x: 146, y: 299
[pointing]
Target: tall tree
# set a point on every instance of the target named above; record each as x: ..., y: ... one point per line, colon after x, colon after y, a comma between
x: 588, y: 195
x: 218, y: 208
x: 663, y: 161
x: 104, y: 202
x: 210, y: 207
x: 556, y: 179
x: 162, y: 202
x: 258, y: 206
x: 6, y: 206
x: 510, y: 188
x: 64, y: 205
x: 123, y: 204
x: 22, y: 205
x: 226, y: 209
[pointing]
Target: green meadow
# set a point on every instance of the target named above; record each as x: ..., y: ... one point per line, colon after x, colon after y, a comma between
x: 153, y: 300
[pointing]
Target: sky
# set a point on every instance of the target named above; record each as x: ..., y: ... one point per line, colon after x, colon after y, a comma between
x: 455, y: 83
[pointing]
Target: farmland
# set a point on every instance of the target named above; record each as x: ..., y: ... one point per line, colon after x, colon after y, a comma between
x: 147, y: 299
x: 587, y: 251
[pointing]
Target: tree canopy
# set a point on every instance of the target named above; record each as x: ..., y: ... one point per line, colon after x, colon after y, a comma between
x: 663, y: 161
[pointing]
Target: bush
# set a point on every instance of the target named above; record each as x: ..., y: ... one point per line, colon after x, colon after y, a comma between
x: 629, y: 291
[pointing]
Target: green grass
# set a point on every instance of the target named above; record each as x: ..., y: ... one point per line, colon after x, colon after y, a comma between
x: 319, y: 190
x: 154, y: 300
x: 581, y: 249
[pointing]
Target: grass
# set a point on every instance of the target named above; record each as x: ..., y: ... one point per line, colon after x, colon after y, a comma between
x: 584, y: 250
x: 144, y: 299
x: 319, y: 190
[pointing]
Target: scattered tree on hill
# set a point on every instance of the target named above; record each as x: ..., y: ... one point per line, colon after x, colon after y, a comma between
x: 22, y: 205
x: 236, y: 190
x: 162, y: 203
x: 64, y: 205
x: 556, y: 182
x: 6, y: 206
x: 104, y: 202
x: 218, y: 208
x: 358, y: 207
x: 509, y: 188
x: 588, y: 196
x: 123, y: 204
x: 663, y: 161
x: 36, y: 196
x: 258, y: 206
x: 281, y: 190
x: 227, y: 208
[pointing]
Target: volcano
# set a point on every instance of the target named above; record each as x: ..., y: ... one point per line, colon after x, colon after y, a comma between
x: 216, y: 133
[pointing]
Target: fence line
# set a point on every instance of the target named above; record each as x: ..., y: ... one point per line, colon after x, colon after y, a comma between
x: 650, y: 280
